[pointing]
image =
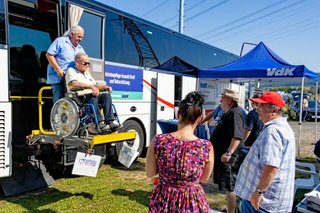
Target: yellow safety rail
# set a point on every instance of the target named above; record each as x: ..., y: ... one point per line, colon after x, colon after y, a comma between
x: 111, y: 138
x: 40, y: 103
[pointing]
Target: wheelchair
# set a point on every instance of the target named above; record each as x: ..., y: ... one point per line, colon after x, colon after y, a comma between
x: 71, y: 115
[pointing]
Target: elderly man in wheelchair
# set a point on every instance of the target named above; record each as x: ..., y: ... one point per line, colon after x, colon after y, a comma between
x: 78, y: 112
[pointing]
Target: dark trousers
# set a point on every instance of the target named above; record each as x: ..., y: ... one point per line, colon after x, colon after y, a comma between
x: 246, y: 207
x: 106, y: 101
x: 58, y: 91
x: 305, y: 112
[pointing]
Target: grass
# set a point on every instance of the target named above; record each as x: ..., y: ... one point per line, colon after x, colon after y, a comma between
x: 115, y: 189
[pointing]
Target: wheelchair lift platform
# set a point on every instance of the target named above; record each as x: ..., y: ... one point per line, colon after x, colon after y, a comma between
x: 92, y: 140
x: 111, y: 138
x: 69, y: 110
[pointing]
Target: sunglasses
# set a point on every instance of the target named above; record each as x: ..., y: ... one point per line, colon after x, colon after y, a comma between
x: 84, y: 63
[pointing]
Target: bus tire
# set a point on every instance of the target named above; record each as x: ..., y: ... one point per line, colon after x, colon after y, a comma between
x: 138, y: 143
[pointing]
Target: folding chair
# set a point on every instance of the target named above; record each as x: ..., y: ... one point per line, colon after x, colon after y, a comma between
x: 306, y: 183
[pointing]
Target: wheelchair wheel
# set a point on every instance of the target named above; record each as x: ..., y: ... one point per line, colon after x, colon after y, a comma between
x: 64, y: 117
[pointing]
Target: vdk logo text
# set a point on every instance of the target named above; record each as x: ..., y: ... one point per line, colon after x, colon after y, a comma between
x: 280, y: 71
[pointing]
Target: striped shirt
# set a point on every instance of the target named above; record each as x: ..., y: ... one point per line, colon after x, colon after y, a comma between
x: 275, y: 146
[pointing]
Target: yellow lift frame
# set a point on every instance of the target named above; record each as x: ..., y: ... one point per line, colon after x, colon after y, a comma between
x: 94, y: 140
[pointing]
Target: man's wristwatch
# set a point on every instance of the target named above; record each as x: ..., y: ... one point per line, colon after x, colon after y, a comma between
x: 228, y: 153
x: 259, y: 191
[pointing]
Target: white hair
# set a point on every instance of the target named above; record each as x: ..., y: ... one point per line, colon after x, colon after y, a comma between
x: 74, y: 29
x: 79, y: 55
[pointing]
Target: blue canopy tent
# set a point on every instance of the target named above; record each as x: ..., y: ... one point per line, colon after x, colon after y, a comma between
x: 260, y: 63
x: 176, y: 65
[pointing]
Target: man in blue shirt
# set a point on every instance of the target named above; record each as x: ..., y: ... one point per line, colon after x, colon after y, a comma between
x: 265, y: 181
x: 60, y: 53
x: 253, y: 125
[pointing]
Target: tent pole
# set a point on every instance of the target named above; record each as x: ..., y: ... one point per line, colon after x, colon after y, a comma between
x: 300, y: 116
x: 316, y: 112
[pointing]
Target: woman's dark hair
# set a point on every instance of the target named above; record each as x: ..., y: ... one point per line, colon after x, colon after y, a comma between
x: 190, y: 108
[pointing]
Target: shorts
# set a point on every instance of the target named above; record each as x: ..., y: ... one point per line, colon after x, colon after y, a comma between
x: 225, y: 173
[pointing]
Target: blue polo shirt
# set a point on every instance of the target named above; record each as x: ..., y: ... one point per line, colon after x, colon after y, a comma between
x: 64, y: 52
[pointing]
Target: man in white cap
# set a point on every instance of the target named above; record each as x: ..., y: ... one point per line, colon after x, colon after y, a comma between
x: 265, y: 181
x: 226, y: 139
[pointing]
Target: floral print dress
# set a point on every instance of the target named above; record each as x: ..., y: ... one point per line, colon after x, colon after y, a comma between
x: 180, y: 165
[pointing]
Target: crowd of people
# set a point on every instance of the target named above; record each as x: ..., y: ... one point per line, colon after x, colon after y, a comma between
x: 262, y: 177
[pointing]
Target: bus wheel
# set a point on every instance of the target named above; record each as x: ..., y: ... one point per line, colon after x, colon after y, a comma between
x: 138, y: 143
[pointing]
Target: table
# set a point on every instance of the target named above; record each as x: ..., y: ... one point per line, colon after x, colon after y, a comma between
x: 302, y: 206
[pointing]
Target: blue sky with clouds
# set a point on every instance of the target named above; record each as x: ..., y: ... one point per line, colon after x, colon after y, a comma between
x: 291, y: 28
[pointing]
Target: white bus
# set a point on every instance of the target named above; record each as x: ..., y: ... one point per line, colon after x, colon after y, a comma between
x: 123, y: 50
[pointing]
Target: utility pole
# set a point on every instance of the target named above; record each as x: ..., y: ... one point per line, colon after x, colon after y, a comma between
x: 181, y: 16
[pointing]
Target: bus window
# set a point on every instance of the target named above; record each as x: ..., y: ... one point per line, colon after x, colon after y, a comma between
x: 92, y: 41
x: 119, y: 44
x: 31, y: 32
x: 3, y: 40
x: 26, y: 46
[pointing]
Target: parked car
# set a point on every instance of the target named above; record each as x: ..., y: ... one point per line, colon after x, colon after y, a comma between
x: 294, y: 110
x: 296, y: 95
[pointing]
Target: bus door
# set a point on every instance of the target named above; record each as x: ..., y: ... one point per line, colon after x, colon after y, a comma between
x: 33, y: 25
x: 93, y: 23
x: 5, y: 106
x: 165, y: 97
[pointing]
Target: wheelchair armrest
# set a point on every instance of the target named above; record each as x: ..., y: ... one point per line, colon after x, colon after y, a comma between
x: 75, y: 89
x: 84, y: 92
x: 80, y: 91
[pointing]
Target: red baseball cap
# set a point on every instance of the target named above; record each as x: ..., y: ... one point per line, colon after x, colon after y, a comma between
x: 273, y: 98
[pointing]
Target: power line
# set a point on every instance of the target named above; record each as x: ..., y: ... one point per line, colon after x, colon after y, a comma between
x: 241, y: 18
x: 204, y: 11
x: 207, y: 10
x: 187, y: 10
x: 267, y: 22
x: 154, y: 8
x: 255, y: 19
x: 295, y: 31
x: 307, y: 24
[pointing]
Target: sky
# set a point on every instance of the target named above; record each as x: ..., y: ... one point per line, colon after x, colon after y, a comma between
x: 291, y: 28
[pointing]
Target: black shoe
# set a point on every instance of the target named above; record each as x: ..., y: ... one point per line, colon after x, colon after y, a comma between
x: 113, y: 126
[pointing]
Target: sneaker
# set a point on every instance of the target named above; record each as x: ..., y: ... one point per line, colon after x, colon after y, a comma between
x: 114, y: 126
x: 103, y: 127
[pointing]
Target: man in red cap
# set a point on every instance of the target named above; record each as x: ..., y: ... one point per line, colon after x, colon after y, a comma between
x: 265, y: 181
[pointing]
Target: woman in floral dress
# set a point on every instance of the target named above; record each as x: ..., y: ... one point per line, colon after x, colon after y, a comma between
x: 182, y: 161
